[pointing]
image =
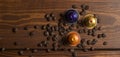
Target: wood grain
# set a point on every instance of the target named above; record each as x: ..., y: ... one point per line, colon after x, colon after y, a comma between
x: 30, y: 13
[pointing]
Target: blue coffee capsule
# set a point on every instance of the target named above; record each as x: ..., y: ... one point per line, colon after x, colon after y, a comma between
x: 71, y: 16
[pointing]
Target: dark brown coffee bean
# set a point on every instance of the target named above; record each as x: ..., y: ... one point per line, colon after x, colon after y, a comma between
x: 26, y: 28
x: 99, y: 28
x: 54, y: 18
x: 74, y: 6
x: 89, y: 32
x: 27, y: 48
x: 44, y: 42
x: 83, y: 40
x: 83, y: 12
x: 84, y: 6
x: 79, y: 46
x: 54, y: 44
x: 71, y: 50
x: 2, y: 49
x: 43, y: 27
x: 48, y: 38
x: 30, y: 56
x: 52, y: 28
x: 94, y: 41
x: 34, y: 50
x: 74, y: 54
x: 93, y: 34
x: 46, y: 33
x: 104, y: 43
x: 35, y: 27
x: 51, y: 33
x: 55, y: 48
x: 20, y: 52
x: 84, y: 30
x: 56, y: 28
x: 103, y: 35
x: 88, y: 42
x: 99, y: 36
x: 48, y: 50
x: 92, y: 48
x: 14, y: 30
x: 80, y: 31
x: 85, y: 49
x: 40, y: 45
x: 47, y: 15
x: 15, y: 43
x: 31, y: 33
x: 52, y: 15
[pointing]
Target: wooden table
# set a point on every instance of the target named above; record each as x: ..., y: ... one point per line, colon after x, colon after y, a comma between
x: 21, y: 22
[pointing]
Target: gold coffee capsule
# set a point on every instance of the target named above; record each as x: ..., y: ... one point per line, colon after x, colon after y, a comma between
x: 90, y: 21
x: 73, y: 38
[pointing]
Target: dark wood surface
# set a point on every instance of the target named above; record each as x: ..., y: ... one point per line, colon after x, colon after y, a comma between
x: 29, y: 13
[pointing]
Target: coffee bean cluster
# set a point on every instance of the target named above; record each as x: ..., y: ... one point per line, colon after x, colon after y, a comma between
x: 57, y: 34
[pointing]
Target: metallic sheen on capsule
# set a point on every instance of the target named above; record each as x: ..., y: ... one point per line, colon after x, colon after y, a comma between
x: 71, y: 16
x: 90, y: 21
x: 73, y: 38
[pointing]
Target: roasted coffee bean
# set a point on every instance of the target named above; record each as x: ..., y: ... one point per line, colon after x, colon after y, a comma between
x: 52, y: 15
x: 47, y: 15
x: 14, y: 30
x: 74, y: 6
x: 30, y: 56
x: 83, y: 40
x: 79, y: 46
x: 54, y: 38
x: 2, y: 49
x: 51, y: 33
x: 34, y: 50
x: 31, y: 33
x: 55, y: 48
x: 56, y: 28
x: 27, y: 48
x: 98, y: 20
x: 92, y: 48
x: 99, y: 36
x: 35, y: 27
x: 54, y: 44
x: 48, y: 50
x: 44, y: 42
x: 54, y: 18
x: 25, y: 28
x: 40, y: 45
x: 65, y: 24
x: 74, y: 54
x: 94, y: 41
x: 89, y: 32
x: 83, y: 12
x: 52, y: 28
x: 99, y: 28
x: 20, y: 52
x: 80, y: 31
x: 104, y: 43
x: 48, y: 38
x: 71, y: 50
x: 15, y: 43
x: 46, y: 33
x: 84, y: 6
x: 103, y: 35
x: 43, y: 27
x: 85, y: 49
x: 93, y: 34
x: 88, y: 42
x: 84, y: 30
